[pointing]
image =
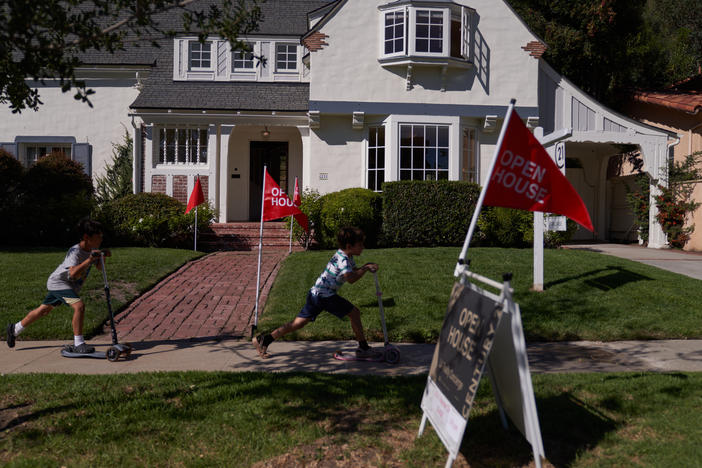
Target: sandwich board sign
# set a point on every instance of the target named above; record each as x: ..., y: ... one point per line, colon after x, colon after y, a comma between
x: 481, y: 331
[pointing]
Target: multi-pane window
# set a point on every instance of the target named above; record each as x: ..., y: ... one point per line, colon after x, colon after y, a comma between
x: 469, y: 158
x: 429, y: 32
x: 242, y: 60
x: 394, y: 32
x: 376, y: 158
x: 34, y: 152
x: 199, y: 55
x: 182, y: 146
x: 424, y: 152
x: 286, y: 57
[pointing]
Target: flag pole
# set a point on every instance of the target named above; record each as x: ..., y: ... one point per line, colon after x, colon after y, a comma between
x: 292, y: 221
x: 260, y: 248
x: 478, y: 206
x: 197, y: 177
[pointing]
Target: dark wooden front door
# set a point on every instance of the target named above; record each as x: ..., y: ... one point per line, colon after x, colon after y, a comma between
x: 273, y: 155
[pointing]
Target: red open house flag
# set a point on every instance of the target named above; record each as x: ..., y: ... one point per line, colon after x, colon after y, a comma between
x: 525, y: 177
x: 196, y: 197
x: 276, y: 204
x: 297, y: 201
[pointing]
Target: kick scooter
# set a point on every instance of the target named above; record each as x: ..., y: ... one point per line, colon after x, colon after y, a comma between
x: 117, y: 349
x: 390, y: 354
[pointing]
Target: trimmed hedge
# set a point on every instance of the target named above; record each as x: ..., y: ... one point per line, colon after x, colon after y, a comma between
x: 427, y: 213
x: 151, y: 220
x: 349, y: 207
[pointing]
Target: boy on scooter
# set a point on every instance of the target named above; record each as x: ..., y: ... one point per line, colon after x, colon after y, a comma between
x: 65, y: 283
x: 323, y: 295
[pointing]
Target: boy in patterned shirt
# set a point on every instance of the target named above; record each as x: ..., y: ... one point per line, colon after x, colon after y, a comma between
x: 323, y: 295
x: 65, y: 283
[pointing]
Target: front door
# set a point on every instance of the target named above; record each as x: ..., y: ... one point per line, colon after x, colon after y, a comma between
x: 273, y: 155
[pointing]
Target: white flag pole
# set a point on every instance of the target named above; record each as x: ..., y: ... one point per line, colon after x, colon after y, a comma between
x: 260, y: 248
x: 197, y: 176
x: 292, y: 221
x: 478, y: 206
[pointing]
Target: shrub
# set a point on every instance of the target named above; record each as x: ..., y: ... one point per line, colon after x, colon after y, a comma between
x: 151, y: 220
x: 11, y: 173
x: 507, y: 227
x: 350, y: 207
x: 54, y: 195
x: 427, y: 213
x: 117, y: 181
x: 311, y: 205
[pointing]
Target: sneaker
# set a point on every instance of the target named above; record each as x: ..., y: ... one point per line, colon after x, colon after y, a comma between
x: 369, y: 353
x: 258, y: 344
x: 11, y: 335
x: 83, y: 348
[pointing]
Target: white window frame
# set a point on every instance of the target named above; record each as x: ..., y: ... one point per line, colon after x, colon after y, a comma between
x: 213, y: 56
x: 183, y: 153
x: 424, y: 169
x: 376, y: 170
x: 405, y: 21
x: 445, y: 32
x: 473, y: 154
x: 287, y: 45
x: 48, y: 148
x: 238, y: 55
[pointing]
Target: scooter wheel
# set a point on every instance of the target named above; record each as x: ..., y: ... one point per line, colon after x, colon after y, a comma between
x: 112, y: 354
x: 392, y: 355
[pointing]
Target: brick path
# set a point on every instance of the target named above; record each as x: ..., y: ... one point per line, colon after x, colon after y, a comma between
x: 209, y: 297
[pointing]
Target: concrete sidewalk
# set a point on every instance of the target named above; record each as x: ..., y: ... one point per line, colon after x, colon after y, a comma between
x: 317, y: 356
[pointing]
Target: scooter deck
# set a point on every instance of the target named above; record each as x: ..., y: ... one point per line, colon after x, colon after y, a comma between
x: 95, y: 355
x: 341, y: 356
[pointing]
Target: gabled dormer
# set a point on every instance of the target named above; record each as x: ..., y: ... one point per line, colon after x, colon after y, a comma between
x: 425, y: 32
x: 214, y: 60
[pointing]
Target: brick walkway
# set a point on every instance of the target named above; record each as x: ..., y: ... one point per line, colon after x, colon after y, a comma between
x: 209, y: 297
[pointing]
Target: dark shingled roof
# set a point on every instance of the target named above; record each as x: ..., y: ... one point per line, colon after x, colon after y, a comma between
x: 280, y: 17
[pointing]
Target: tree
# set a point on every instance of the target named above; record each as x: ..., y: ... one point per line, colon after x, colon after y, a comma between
x: 44, y: 39
x: 607, y: 46
x: 117, y: 181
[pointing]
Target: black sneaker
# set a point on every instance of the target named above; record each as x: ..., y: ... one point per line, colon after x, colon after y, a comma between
x: 369, y: 353
x: 11, y: 335
x: 83, y: 348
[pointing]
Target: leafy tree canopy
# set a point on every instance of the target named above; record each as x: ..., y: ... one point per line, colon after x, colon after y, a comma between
x: 606, y: 46
x: 44, y: 39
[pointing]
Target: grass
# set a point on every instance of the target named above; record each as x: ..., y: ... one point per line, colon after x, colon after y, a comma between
x: 588, y: 296
x: 245, y: 419
x: 130, y: 272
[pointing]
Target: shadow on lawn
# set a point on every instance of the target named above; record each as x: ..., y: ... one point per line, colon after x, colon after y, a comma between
x: 618, y: 276
x: 568, y: 427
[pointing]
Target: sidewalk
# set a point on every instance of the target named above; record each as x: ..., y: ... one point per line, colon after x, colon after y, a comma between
x: 317, y: 356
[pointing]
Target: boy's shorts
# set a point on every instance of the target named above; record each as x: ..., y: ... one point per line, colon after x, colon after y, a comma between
x: 315, y: 304
x: 63, y: 296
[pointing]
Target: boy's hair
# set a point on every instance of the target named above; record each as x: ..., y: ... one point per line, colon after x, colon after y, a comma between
x: 87, y: 226
x: 349, y: 235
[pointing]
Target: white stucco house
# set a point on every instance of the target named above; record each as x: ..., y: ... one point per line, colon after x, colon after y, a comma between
x: 353, y: 93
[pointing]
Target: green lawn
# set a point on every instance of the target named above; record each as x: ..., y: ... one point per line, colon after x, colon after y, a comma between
x: 588, y: 296
x: 130, y: 272
x: 239, y: 419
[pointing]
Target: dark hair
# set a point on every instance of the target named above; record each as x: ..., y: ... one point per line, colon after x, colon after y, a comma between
x: 349, y: 235
x: 87, y: 226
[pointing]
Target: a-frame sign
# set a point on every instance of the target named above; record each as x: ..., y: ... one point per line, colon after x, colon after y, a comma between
x: 481, y: 331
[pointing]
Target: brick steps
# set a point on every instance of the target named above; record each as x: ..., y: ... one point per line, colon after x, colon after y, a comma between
x: 245, y: 236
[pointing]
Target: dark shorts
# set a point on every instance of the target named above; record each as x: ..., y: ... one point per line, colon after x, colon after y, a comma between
x: 315, y: 304
x: 63, y: 296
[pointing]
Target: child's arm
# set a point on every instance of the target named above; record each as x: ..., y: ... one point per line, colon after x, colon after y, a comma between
x: 357, y: 273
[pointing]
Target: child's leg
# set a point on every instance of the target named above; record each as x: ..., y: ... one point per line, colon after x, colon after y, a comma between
x: 36, y: 314
x: 289, y: 327
x: 78, y: 317
x: 356, y: 326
